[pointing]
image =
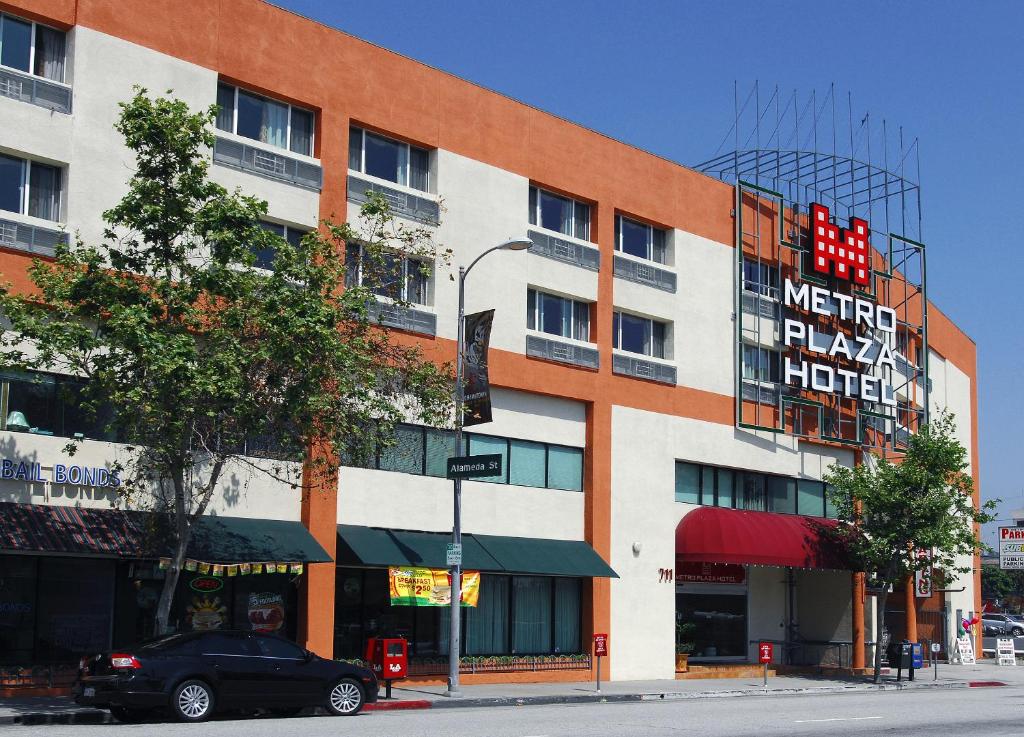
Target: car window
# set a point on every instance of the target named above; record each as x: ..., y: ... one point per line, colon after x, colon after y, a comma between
x: 272, y: 647
x: 217, y: 643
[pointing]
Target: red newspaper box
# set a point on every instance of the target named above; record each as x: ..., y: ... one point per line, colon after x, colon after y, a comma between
x: 390, y: 660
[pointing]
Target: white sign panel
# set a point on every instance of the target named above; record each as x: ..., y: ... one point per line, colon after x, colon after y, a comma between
x: 1011, y: 548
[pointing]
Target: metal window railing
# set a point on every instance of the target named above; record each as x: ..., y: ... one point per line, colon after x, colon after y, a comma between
x: 404, y: 204
x: 566, y: 251
x: 32, y: 238
x: 562, y: 352
x: 35, y: 91
x: 642, y: 369
x: 647, y: 274
x: 403, y: 318
x: 269, y: 164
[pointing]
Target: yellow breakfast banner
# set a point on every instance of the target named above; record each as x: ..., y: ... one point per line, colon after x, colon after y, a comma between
x: 430, y: 587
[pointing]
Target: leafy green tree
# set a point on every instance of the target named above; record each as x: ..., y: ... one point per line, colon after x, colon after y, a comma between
x: 1002, y: 585
x: 916, y: 514
x: 208, y: 360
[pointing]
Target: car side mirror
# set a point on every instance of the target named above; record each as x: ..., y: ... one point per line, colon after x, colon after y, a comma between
x: 309, y: 655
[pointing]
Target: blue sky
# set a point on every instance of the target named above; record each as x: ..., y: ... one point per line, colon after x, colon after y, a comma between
x: 660, y: 75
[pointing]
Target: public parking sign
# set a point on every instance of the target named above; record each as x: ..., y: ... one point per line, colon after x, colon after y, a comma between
x: 765, y: 652
x: 1011, y: 548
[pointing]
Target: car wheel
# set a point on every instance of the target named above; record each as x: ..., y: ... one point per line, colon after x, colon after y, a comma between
x: 346, y: 698
x: 127, y: 716
x: 192, y: 701
x: 1017, y: 632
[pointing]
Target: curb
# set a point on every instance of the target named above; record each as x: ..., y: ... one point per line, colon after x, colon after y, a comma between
x: 97, y: 716
x: 679, y: 695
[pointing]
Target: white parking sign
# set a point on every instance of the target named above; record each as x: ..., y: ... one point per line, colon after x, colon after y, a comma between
x: 1011, y: 548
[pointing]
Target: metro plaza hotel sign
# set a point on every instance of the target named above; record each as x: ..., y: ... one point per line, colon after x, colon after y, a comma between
x: 834, y: 328
x: 846, y: 254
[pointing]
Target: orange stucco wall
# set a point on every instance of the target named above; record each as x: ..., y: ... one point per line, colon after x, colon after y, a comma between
x: 347, y: 79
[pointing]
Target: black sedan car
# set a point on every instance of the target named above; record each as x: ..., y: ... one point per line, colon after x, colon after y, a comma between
x: 193, y: 675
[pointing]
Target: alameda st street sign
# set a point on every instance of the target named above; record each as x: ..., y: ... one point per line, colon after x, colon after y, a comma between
x: 467, y: 467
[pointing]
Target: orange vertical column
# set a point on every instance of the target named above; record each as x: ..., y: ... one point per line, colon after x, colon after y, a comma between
x: 598, y: 480
x: 911, y: 609
x: 319, y: 488
x: 320, y: 516
x: 857, y: 596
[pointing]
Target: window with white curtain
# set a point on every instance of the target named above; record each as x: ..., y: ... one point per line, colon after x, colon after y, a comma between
x: 32, y: 48
x: 560, y: 214
x: 639, y: 335
x: 761, y: 278
x: 640, y: 240
x: 265, y: 256
x: 30, y: 188
x: 761, y: 364
x: 392, y: 275
x: 263, y: 119
x: 386, y: 158
x: 549, y: 313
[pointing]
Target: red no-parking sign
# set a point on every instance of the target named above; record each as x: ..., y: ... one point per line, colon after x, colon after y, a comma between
x: 765, y: 652
x: 600, y: 645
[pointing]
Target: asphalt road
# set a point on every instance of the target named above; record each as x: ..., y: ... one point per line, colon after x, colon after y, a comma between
x: 992, y: 712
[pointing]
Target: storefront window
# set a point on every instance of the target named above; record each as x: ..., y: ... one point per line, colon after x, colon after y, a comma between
x: 76, y: 597
x: 719, y: 619
x: 528, y: 615
x: 46, y: 404
x: 17, y: 608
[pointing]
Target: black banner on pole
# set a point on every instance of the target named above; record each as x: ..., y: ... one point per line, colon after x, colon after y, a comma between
x: 477, y: 407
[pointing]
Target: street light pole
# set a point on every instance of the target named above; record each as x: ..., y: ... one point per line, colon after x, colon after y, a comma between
x: 454, y: 636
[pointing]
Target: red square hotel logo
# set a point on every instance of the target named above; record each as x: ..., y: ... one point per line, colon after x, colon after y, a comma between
x: 843, y: 252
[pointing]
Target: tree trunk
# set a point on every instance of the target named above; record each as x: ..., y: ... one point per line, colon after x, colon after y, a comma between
x: 880, y: 622
x: 183, y: 533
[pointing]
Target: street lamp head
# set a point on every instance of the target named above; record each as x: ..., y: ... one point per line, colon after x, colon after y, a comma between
x: 517, y: 244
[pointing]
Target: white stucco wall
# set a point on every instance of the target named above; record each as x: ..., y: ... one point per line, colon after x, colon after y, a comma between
x: 644, y: 510
x: 407, y: 501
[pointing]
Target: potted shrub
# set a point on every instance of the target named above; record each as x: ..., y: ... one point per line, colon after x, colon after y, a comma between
x: 684, y: 645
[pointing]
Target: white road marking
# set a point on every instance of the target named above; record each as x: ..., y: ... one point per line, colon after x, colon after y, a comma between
x: 834, y: 719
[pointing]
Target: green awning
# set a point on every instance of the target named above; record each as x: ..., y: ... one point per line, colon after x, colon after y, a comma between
x: 237, y: 539
x: 553, y: 557
x: 118, y: 533
x: 379, y: 547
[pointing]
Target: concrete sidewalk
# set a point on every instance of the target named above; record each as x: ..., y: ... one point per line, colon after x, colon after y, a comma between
x: 62, y: 710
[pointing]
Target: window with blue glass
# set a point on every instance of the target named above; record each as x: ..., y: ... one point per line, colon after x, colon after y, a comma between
x: 713, y: 486
x: 424, y: 451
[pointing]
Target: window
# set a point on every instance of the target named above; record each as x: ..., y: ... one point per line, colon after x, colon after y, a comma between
x: 30, y: 188
x: 531, y: 614
x: 265, y: 256
x: 640, y: 240
x: 392, y: 275
x: 556, y: 315
x: 725, y: 487
x: 46, y: 404
x: 761, y: 364
x: 761, y: 278
x: 560, y: 214
x: 388, y: 159
x: 218, y: 643
x: 262, y: 119
x: 32, y: 48
x: 638, y: 335
x: 425, y: 451
x: 272, y: 647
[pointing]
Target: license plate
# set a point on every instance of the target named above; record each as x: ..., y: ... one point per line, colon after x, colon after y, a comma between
x: 88, y: 691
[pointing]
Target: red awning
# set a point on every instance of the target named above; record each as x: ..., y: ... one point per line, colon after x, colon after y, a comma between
x: 714, y: 535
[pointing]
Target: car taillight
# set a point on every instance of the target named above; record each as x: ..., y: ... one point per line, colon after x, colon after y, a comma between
x: 124, y: 661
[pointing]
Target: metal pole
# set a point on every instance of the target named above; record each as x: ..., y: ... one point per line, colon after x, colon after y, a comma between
x: 598, y: 674
x: 456, y: 606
